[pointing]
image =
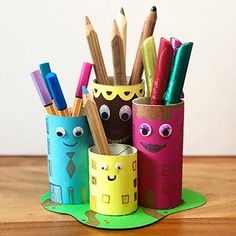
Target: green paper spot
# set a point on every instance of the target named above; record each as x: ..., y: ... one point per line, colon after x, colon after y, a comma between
x: 139, y: 218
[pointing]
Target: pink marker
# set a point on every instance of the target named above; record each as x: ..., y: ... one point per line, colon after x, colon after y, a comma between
x: 83, y: 81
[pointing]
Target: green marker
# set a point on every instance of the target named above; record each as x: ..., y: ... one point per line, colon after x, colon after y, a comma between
x: 178, y: 73
x: 45, y: 69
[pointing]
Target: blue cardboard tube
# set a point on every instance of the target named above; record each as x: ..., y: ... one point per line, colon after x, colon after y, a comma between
x: 68, y: 140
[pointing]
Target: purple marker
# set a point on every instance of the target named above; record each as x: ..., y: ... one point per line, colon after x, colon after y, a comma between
x: 43, y: 92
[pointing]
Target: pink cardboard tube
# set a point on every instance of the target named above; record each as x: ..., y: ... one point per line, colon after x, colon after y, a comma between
x: 158, y: 136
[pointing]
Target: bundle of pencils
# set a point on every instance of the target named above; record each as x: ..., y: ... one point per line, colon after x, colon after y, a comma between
x: 118, y: 45
x: 165, y: 74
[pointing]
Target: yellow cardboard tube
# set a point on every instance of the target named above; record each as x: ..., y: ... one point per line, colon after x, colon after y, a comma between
x: 113, y: 180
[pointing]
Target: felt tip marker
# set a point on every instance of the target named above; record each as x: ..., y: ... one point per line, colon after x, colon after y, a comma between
x: 57, y: 94
x: 43, y: 92
x: 178, y: 74
x: 83, y: 81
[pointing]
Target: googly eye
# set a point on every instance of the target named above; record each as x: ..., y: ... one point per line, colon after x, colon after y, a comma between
x: 104, y: 112
x: 60, y: 132
x: 118, y: 166
x: 78, y: 131
x: 145, y: 129
x: 165, y: 130
x: 104, y: 166
x: 125, y: 113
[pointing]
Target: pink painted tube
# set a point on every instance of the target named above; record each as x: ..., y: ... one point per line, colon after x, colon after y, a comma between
x: 158, y: 136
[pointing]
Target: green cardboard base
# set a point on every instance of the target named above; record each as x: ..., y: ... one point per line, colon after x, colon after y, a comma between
x: 141, y: 217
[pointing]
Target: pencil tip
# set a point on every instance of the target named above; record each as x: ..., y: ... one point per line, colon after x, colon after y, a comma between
x: 122, y: 11
x: 87, y: 21
x: 153, y: 8
x: 84, y: 90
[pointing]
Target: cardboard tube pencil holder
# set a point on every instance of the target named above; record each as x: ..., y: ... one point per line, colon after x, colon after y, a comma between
x: 113, y: 180
x: 158, y: 136
x: 114, y: 104
x: 68, y: 140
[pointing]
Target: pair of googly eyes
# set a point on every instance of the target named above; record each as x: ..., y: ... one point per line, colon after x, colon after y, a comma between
x: 124, y: 112
x: 165, y: 130
x: 104, y: 166
x: 77, y: 132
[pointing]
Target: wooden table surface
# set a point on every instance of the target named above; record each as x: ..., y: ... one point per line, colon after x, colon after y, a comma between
x: 24, y: 179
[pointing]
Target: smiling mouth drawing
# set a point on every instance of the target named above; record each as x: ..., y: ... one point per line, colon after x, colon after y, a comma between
x: 121, y: 140
x: 153, y: 147
x: 111, y: 179
x: 70, y: 145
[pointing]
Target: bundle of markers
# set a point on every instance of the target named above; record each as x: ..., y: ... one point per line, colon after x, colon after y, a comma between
x: 52, y: 98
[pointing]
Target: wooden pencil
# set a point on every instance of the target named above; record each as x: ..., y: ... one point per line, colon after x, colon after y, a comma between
x: 122, y: 26
x: 95, y: 50
x: 148, y: 28
x: 95, y: 123
x: 118, y: 56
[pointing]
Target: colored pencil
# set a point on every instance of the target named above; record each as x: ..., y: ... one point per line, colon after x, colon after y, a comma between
x: 148, y: 28
x: 122, y: 26
x: 118, y: 57
x: 95, y: 50
x: 95, y: 123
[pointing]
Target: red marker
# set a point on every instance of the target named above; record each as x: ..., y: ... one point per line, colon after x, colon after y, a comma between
x: 162, y: 71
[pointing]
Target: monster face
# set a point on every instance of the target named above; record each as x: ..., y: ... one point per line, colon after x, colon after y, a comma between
x: 68, y: 141
x: 114, y: 104
x: 113, y: 181
x: 158, y: 136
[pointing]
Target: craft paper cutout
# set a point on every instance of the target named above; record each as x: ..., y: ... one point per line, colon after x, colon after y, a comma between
x: 113, y: 180
x: 68, y: 140
x: 139, y: 218
x: 114, y: 104
x: 158, y: 136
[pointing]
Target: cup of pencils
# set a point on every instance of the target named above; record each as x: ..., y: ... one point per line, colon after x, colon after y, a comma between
x: 68, y: 138
x: 113, y: 180
x: 158, y: 123
x: 113, y: 95
x: 114, y: 103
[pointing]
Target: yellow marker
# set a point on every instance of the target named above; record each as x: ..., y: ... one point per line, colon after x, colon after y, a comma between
x: 149, y: 57
x: 113, y: 180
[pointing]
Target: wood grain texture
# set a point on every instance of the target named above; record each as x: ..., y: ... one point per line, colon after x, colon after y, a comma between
x: 95, y: 125
x: 118, y: 57
x: 24, y: 179
x: 96, y: 53
x: 148, y: 28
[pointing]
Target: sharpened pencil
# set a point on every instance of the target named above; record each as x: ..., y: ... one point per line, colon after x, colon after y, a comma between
x: 95, y: 50
x: 118, y: 56
x: 95, y: 123
x: 148, y: 28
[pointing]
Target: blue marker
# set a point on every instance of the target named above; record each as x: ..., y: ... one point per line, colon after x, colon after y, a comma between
x: 57, y: 94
